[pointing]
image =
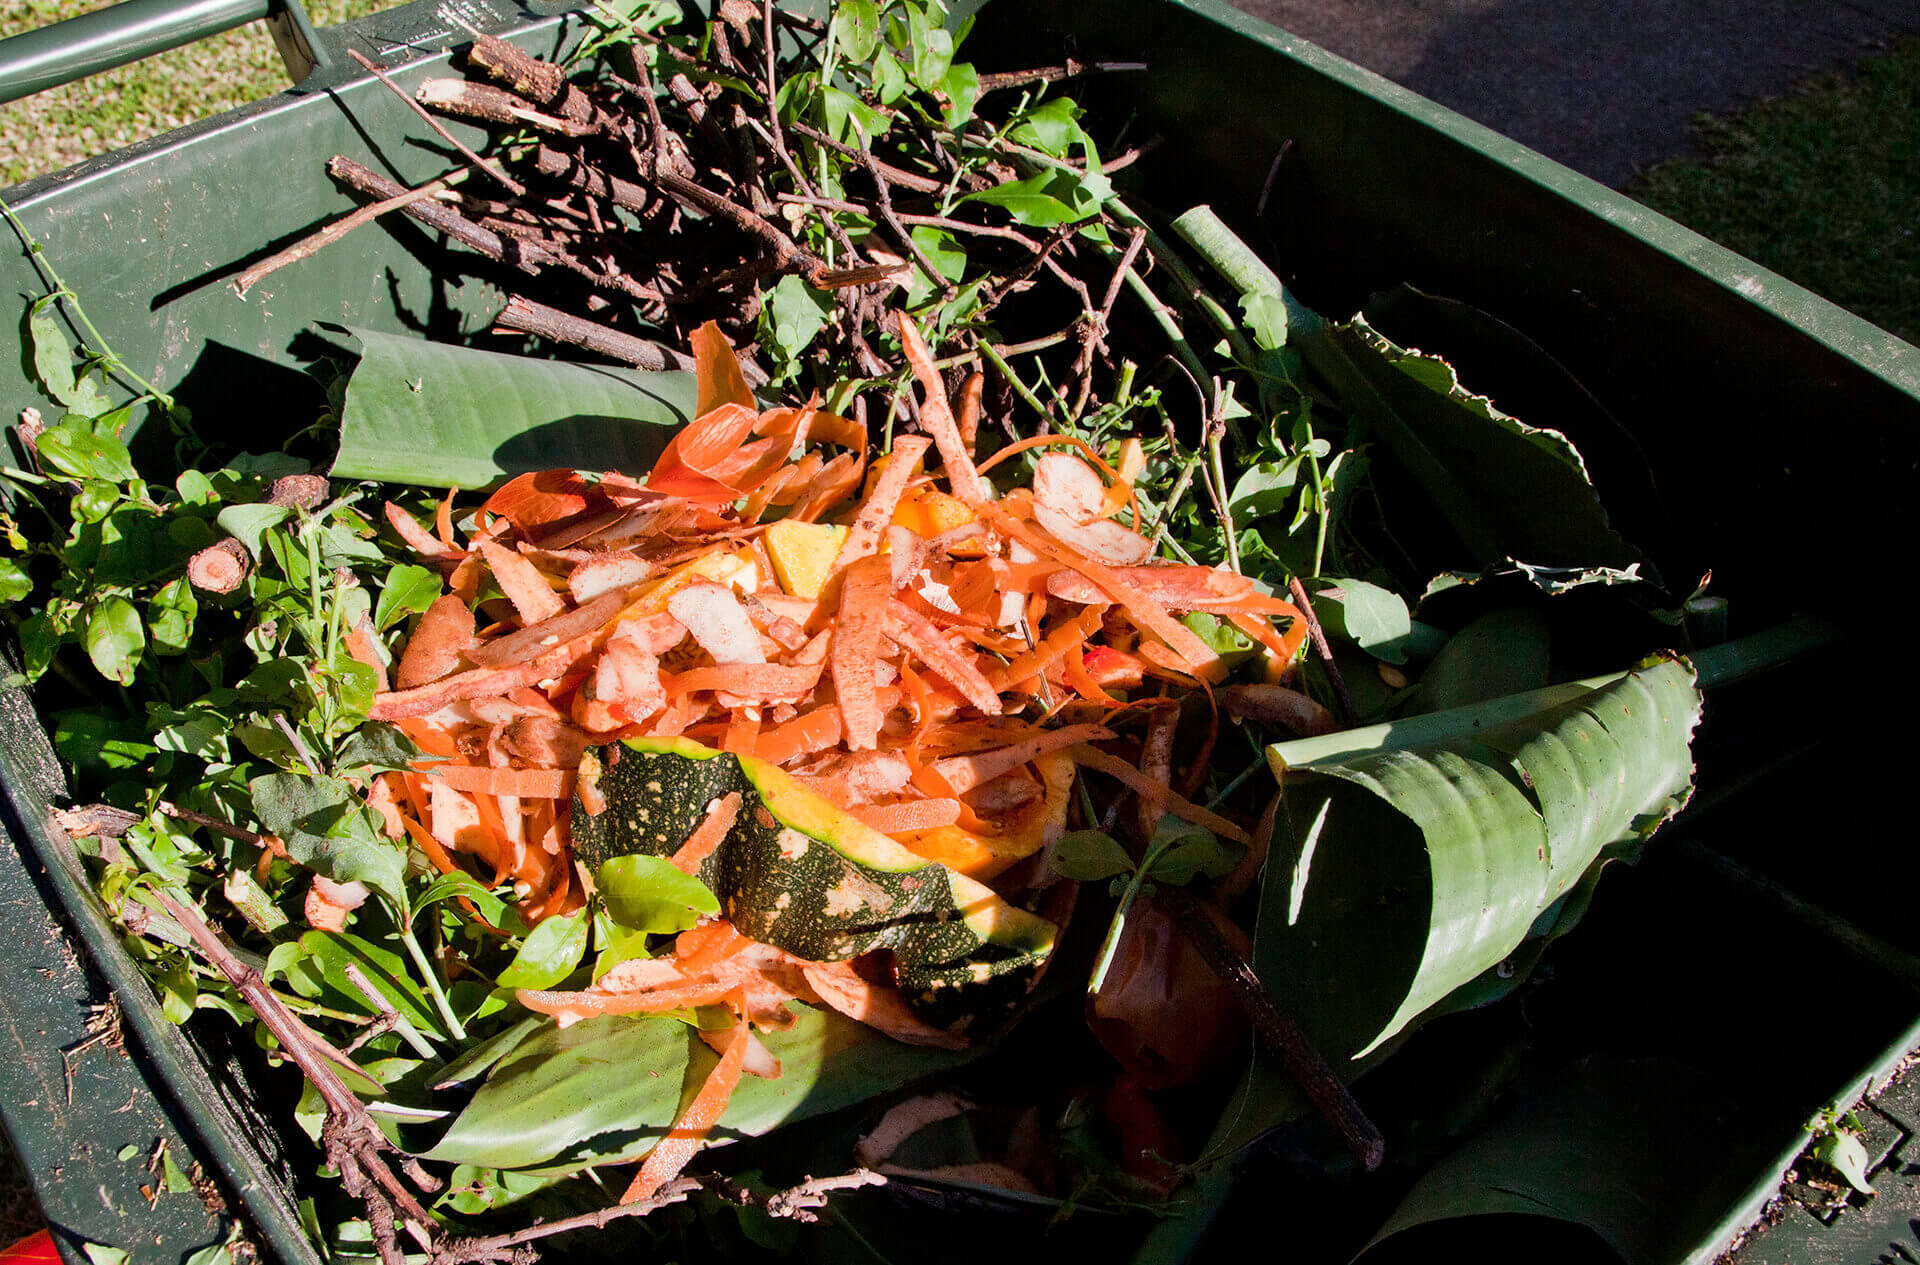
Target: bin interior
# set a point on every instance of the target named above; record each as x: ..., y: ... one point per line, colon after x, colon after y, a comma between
x: 1725, y: 953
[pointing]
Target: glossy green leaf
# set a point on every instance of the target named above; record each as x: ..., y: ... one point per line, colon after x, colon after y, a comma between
x: 1369, y: 616
x: 15, y: 583
x: 548, y: 954
x: 651, y: 894
x: 170, y: 615
x: 613, y: 1085
x: 1402, y: 870
x: 1027, y: 201
x: 114, y: 638
x: 408, y: 591
x: 437, y: 415
x: 332, y: 952
x: 74, y: 448
x: 856, y: 29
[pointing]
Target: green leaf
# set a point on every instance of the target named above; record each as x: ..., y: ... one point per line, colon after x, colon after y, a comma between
x: 1052, y: 127
x: 437, y: 415
x: 1367, y: 615
x: 328, y: 829
x: 946, y: 254
x: 334, y: 951
x: 856, y: 29
x: 101, y: 1254
x: 889, y: 78
x: 1198, y: 852
x: 1027, y: 201
x: 249, y: 523
x: 1411, y: 857
x: 649, y: 893
x: 15, y: 583
x: 794, y: 313
x: 1089, y: 856
x: 1266, y: 316
x: 549, y: 953
x: 961, y: 88
x: 53, y: 356
x: 74, y: 448
x: 1841, y: 1150
x: 580, y: 1091
x: 1501, y: 653
x: 379, y: 747
x: 170, y: 615
x: 462, y: 886
x: 476, y: 1059
x: 839, y: 111
x: 115, y: 638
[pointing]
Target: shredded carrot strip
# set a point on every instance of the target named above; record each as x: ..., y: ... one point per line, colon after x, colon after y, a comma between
x: 672, y: 1152
x: 965, y: 772
x: 805, y: 734
x: 749, y: 680
x: 1284, y: 646
x: 1073, y: 669
x: 523, y: 783
x: 936, y: 418
x: 698, y: 950
x: 581, y: 1005
x: 863, y: 538
x: 709, y: 834
x: 1149, y: 615
x: 1159, y: 793
x: 1065, y: 641
x: 443, y: 520
x: 861, y: 624
x: 1019, y: 446
x: 912, y: 814
x: 920, y: 635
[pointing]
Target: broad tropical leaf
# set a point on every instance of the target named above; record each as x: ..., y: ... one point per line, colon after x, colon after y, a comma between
x: 608, y: 1087
x: 1412, y: 857
x: 441, y: 416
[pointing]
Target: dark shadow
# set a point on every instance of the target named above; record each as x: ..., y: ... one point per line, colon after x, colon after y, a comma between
x: 586, y: 442
x: 233, y: 391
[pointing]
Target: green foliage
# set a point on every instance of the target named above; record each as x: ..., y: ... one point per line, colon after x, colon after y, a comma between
x: 1819, y: 185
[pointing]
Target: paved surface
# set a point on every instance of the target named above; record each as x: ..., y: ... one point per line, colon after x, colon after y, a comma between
x: 1604, y: 86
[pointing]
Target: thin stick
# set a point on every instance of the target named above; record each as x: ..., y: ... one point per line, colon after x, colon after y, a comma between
x: 1318, y: 636
x: 894, y: 175
x: 894, y: 225
x: 313, y: 244
x: 487, y: 165
x: 908, y: 217
x: 1278, y: 1032
x: 524, y: 316
x: 1051, y: 74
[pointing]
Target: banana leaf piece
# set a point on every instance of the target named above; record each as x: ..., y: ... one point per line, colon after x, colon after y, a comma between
x: 607, y: 1088
x: 435, y: 415
x: 1401, y: 873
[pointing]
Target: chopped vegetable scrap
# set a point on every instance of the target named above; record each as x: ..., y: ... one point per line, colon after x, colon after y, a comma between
x: 859, y: 734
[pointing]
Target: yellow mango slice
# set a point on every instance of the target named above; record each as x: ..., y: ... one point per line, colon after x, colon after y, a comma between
x: 803, y: 554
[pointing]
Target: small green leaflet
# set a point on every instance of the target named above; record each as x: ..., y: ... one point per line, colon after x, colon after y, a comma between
x: 1028, y: 202
x: 115, y: 638
x: 1089, y: 856
x: 101, y: 1254
x: 53, y: 361
x: 408, y: 591
x: 649, y: 893
x: 1369, y: 616
x: 74, y: 448
x: 794, y: 313
x: 549, y: 953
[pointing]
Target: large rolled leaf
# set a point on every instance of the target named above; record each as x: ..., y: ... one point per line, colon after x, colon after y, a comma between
x: 607, y: 1088
x: 436, y: 415
x: 1411, y: 858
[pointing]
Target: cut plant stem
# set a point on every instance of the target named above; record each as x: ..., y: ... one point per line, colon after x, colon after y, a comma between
x: 1318, y: 635
x: 1277, y: 1031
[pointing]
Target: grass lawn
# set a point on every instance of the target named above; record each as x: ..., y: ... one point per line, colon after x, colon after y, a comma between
x: 1821, y: 185
x: 58, y: 128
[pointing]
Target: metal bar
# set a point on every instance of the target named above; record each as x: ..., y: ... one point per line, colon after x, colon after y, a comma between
x: 106, y: 38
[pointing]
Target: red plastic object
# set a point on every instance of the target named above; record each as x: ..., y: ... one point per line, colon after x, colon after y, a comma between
x: 35, y: 1249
